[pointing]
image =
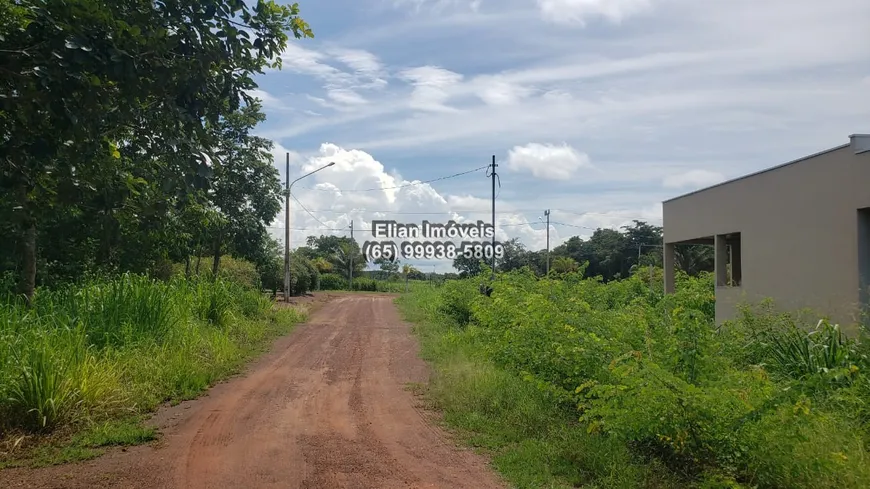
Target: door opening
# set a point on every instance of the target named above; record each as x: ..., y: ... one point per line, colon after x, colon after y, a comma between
x: 864, y: 262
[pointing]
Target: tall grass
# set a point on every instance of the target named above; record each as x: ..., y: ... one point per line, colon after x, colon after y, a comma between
x: 120, y: 347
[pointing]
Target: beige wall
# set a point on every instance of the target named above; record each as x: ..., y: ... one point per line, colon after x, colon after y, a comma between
x: 799, y: 231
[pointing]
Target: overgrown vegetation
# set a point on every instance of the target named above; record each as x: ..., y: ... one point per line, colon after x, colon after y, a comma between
x: 574, y: 382
x: 84, y: 359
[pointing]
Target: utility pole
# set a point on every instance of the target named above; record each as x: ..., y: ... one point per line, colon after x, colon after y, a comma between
x: 547, y: 213
x: 493, y: 175
x: 289, y: 188
x: 287, y: 231
x: 352, y: 251
x: 350, y: 258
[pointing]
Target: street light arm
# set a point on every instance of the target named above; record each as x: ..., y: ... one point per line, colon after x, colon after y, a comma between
x: 290, y: 187
x: 287, y: 225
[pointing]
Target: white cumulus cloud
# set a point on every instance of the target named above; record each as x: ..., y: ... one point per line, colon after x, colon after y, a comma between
x: 552, y: 162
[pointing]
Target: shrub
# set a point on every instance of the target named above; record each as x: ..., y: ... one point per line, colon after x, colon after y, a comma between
x: 761, y: 401
x: 456, y: 299
x: 232, y: 269
x: 332, y: 281
x: 365, y: 284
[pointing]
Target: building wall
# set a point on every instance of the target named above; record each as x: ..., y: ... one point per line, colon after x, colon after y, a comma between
x: 799, y: 231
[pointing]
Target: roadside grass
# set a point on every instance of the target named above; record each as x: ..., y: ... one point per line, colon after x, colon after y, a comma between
x: 86, y: 444
x: 532, y: 442
x: 83, y: 368
x: 572, y: 382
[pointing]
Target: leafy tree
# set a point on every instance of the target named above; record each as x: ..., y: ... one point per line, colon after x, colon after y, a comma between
x: 467, y: 266
x: 270, y: 264
x: 641, y: 237
x: 246, y: 189
x: 564, y: 264
x: 411, y: 273
x: 124, y: 92
x: 340, y: 251
x: 694, y: 259
x: 321, y: 264
x: 388, y: 267
x: 515, y: 256
x: 347, y: 259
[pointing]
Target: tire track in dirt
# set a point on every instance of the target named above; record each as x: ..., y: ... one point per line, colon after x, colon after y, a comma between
x: 326, y: 408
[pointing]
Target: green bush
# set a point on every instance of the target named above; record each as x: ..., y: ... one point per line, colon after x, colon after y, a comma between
x: 332, y: 281
x: 231, y: 269
x: 456, y: 299
x: 763, y: 401
x: 365, y: 285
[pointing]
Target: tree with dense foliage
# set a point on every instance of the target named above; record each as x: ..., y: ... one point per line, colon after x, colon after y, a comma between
x: 387, y: 267
x: 608, y: 253
x: 467, y: 266
x: 695, y: 258
x: 105, y: 117
x: 246, y: 189
x: 564, y: 264
x: 340, y: 251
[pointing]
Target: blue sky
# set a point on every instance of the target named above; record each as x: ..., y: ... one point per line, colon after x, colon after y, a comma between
x: 596, y: 109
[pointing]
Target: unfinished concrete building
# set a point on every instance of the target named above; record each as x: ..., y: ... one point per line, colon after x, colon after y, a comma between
x: 798, y: 233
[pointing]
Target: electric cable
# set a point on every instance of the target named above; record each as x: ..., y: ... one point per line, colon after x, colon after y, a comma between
x: 412, y: 184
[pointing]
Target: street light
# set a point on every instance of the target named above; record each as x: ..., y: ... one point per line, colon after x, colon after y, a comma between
x: 287, y: 224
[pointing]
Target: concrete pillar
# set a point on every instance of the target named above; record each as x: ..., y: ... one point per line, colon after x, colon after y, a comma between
x: 670, y: 266
x: 736, y: 268
x: 721, y: 256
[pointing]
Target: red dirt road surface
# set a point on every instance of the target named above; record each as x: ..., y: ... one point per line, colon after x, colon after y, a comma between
x: 326, y: 408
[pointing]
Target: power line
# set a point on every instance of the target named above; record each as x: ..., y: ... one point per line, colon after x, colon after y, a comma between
x: 473, y: 211
x: 306, y: 210
x: 575, y: 226
x: 305, y: 229
x: 398, y: 186
x: 609, y: 214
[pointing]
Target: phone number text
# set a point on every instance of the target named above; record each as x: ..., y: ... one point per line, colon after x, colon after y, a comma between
x: 431, y: 250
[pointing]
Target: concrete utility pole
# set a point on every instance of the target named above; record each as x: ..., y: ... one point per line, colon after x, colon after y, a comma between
x: 493, y: 175
x: 287, y: 230
x: 350, y: 272
x: 289, y: 187
x: 547, y: 215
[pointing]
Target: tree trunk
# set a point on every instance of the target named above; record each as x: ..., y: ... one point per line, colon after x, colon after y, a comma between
x: 198, y: 258
x: 217, y: 257
x: 187, y: 265
x: 27, y: 282
x: 109, y: 238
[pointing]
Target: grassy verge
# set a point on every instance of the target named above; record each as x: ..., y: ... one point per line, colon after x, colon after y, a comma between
x: 576, y: 383
x: 532, y: 442
x: 84, y: 367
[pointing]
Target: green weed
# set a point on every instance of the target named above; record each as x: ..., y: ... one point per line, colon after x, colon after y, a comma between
x: 647, y: 378
x: 77, y: 365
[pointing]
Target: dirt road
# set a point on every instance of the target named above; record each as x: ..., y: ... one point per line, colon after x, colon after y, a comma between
x: 326, y: 408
